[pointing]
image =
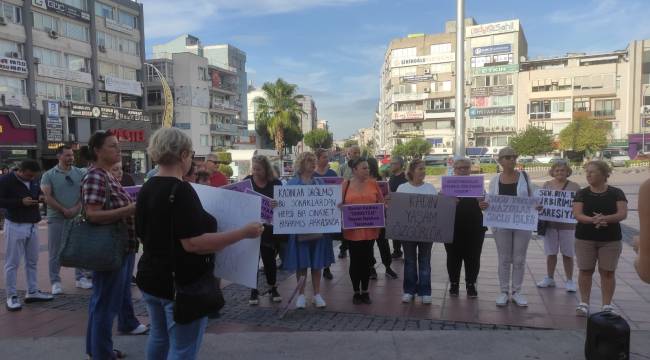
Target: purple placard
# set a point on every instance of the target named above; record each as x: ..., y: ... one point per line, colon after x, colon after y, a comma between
x: 241, y: 186
x: 332, y: 180
x: 267, y: 208
x: 463, y: 186
x: 133, y: 191
x: 383, y: 186
x: 363, y: 216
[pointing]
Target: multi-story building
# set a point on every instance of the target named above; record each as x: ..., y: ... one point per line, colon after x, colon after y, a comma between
x: 308, y: 119
x: 323, y: 124
x: 209, y: 89
x: 252, y: 123
x: 67, y: 69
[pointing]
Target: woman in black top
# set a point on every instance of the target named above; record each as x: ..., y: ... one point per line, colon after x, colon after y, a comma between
x: 263, y: 183
x: 382, y: 242
x: 599, y: 209
x: 469, y: 234
x: 185, y: 252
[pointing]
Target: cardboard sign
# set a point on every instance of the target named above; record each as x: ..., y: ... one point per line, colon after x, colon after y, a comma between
x: 417, y: 217
x: 133, y: 191
x: 238, y: 262
x: 463, y: 186
x: 307, y: 209
x: 363, y: 216
x: 241, y: 186
x: 267, y: 207
x: 558, y: 205
x: 332, y: 180
x: 511, y: 212
x: 383, y: 186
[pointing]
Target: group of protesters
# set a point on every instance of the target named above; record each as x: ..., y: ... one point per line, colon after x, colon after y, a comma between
x: 179, y: 238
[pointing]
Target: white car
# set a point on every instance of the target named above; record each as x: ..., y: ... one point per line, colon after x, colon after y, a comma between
x: 619, y: 160
x: 546, y: 159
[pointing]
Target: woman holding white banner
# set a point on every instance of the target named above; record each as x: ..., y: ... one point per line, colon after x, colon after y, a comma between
x: 263, y: 182
x: 559, y: 236
x: 314, y: 254
x: 512, y: 245
x: 323, y: 170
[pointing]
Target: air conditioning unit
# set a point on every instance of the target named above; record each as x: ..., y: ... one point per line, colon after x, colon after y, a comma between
x: 470, y: 143
x: 53, y: 34
x: 37, y: 60
x: 102, y: 48
x: 101, y: 78
x: 470, y: 135
x: 427, y: 71
x: 3, y: 21
x: 13, y: 54
x: 427, y: 90
x: 434, y: 77
x: 65, y: 103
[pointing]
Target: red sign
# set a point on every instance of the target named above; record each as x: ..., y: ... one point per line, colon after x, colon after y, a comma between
x: 128, y: 135
x: 10, y: 135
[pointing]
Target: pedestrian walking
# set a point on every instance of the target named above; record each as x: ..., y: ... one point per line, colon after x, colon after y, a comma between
x: 397, y: 178
x: 599, y: 209
x: 382, y: 242
x: 323, y: 170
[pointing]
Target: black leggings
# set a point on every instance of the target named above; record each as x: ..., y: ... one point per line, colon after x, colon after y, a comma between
x: 269, y: 254
x: 360, y: 262
x: 384, y: 250
x: 465, y: 249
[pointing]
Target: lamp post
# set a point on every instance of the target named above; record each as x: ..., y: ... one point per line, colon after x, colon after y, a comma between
x: 459, y: 144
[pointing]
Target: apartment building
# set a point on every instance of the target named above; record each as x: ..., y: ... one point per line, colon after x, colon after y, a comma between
x: 209, y: 89
x: 308, y: 120
x: 67, y: 69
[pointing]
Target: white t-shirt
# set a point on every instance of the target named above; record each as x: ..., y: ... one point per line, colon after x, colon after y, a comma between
x: 425, y: 189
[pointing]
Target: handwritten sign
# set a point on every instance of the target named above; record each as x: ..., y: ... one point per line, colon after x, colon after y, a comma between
x: 363, y: 216
x: 267, y: 207
x: 241, y: 186
x: 307, y: 209
x: 133, y: 191
x: 383, y: 186
x: 238, y: 262
x: 418, y: 217
x: 463, y: 186
x: 558, y: 205
x: 511, y: 212
x: 332, y: 180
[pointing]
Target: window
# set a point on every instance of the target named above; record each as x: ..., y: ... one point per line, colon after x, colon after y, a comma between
x: 7, y: 46
x: 506, y: 100
x: 154, y: 97
x: 107, y: 40
x: 499, y: 141
x: 12, y: 85
x: 104, y: 10
x: 440, y: 86
x: 130, y: 101
x: 441, y: 105
x: 404, y: 53
x: 204, y: 118
x: 109, y: 99
x: 48, y: 57
x: 406, y: 89
x: 129, y: 47
x: 11, y: 13
x: 76, y: 94
x: 405, y: 106
x: 540, y: 109
x: 441, y: 48
x: 606, y: 107
x: 203, y: 73
x: 444, y: 124
x: 203, y: 140
x: 77, y: 63
x: 404, y: 71
x: 129, y: 74
x: 45, y: 22
x: 126, y: 19
x: 441, y: 68
x: 480, y: 61
x: 581, y: 104
x: 75, y: 31
x: 48, y: 91
x: 106, y: 69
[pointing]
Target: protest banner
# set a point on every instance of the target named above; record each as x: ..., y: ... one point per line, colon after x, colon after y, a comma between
x: 238, y: 262
x: 418, y: 217
x: 363, y: 216
x: 558, y: 205
x: 332, y: 180
x: 241, y: 186
x: 511, y: 212
x: 307, y: 209
x: 133, y: 191
x: 463, y: 186
x: 267, y: 207
x: 383, y: 186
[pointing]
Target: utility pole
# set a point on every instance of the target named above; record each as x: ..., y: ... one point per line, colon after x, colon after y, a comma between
x: 459, y: 143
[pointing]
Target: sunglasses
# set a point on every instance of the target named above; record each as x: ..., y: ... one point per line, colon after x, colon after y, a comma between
x: 69, y: 180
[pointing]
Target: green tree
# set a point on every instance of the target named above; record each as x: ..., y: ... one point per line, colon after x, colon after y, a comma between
x: 585, y: 134
x: 278, y: 113
x: 414, y: 148
x: 349, y: 143
x: 532, y: 141
x: 319, y: 138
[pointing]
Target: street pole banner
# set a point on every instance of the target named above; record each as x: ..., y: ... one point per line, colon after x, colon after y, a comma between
x: 133, y: 191
x: 363, y: 216
x: 558, y: 205
x: 238, y: 262
x: 463, y: 186
x: 511, y: 212
x: 383, y: 186
x: 267, y: 207
x: 418, y: 217
x: 307, y: 209
x: 332, y: 180
x: 241, y: 186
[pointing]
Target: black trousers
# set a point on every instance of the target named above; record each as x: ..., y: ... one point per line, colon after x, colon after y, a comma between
x: 384, y: 250
x: 465, y: 249
x: 268, y: 255
x: 397, y: 246
x: 345, y: 245
x: 360, y: 255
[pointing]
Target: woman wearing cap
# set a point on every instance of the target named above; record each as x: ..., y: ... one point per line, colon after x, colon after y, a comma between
x: 512, y: 245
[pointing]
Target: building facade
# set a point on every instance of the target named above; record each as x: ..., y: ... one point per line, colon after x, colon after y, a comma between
x: 67, y: 69
x: 308, y: 120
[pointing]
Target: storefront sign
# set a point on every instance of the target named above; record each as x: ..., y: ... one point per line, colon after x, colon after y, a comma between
x: 494, y: 49
x: 128, y: 135
x: 492, y: 28
x: 500, y: 90
x: 488, y: 111
x: 64, y: 74
x: 12, y: 135
x: 52, y: 109
x: 105, y: 112
x: 405, y: 115
x: 62, y: 9
x: 122, y: 86
x: 417, y: 78
x: 13, y: 65
x: 423, y: 60
x: 495, y: 69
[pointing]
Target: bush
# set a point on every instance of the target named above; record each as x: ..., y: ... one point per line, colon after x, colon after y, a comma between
x: 334, y: 165
x: 436, y: 170
x: 226, y: 170
x: 489, y: 168
x: 637, y: 163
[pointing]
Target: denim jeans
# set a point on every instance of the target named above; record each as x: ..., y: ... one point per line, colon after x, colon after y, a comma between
x: 417, y: 268
x: 126, y: 320
x: 168, y: 340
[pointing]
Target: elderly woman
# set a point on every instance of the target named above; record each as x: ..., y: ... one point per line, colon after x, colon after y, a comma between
x: 180, y: 253
x: 599, y: 209
x: 559, y: 236
x: 512, y: 245
x: 469, y: 234
x: 104, y: 207
x: 313, y: 253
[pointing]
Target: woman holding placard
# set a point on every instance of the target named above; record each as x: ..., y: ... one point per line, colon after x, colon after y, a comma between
x: 263, y: 182
x: 512, y: 245
x: 417, y: 255
x: 323, y: 170
x: 559, y: 236
x: 599, y: 209
x: 308, y: 251
x: 361, y: 189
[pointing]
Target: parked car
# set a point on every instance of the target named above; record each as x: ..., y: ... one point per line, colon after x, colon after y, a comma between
x: 435, y: 160
x: 546, y: 159
x: 619, y: 160
x: 487, y: 160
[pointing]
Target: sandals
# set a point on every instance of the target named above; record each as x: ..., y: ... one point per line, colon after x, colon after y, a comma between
x: 582, y: 309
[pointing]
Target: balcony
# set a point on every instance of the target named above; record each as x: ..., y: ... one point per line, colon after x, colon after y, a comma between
x: 410, y: 133
x: 227, y: 129
x: 598, y: 114
x: 226, y: 88
x: 410, y: 97
x: 224, y: 105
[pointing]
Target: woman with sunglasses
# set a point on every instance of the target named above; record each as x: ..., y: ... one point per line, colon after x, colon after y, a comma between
x: 512, y: 245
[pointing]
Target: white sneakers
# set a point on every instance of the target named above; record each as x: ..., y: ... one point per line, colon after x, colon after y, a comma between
x: 547, y: 282
x: 407, y: 298
x: 319, y: 302
x: 140, y: 330
x: 502, y: 299
x: 582, y: 309
x: 301, y: 302
x: 37, y: 296
x: 57, y: 289
x: 13, y: 303
x: 608, y: 308
x: 427, y: 299
x: 570, y: 286
x: 519, y: 299
x: 84, y: 283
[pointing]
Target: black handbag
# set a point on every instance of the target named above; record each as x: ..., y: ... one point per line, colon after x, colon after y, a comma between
x: 199, y: 298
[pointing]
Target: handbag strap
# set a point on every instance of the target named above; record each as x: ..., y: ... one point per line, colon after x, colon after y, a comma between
x: 346, y: 186
x: 565, y: 185
x: 527, y: 182
x: 107, y: 197
x: 171, y: 199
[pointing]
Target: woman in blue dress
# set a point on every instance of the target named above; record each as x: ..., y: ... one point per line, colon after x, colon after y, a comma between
x: 310, y: 252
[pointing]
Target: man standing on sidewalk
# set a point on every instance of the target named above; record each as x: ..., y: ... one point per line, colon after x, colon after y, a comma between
x: 61, y: 186
x: 20, y: 195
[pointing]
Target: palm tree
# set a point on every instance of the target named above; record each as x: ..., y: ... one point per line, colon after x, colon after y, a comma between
x: 278, y: 112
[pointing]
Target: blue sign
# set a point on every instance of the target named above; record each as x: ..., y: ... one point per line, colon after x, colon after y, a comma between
x: 183, y: 126
x: 494, y: 49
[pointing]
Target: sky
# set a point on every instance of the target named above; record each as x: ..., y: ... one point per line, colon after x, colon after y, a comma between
x: 333, y: 49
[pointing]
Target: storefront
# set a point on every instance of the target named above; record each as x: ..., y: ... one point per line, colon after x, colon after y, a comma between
x: 18, y: 136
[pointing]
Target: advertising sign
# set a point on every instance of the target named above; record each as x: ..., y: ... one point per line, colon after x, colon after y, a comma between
x: 105, y: 112
x: 416, y: 78
x: 62, y: 9
x: 494, y: 49
x: 411, y: 114
x: 13, y: 65
x: 498, y: 69
x: 122, y: 86
x: 492, y: 28
x: 423, y: 60
x: 488, y: 111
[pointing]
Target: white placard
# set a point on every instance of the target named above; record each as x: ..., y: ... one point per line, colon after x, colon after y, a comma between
x: 558, y: 205
x: 307, y: 209
x: 238, y: 262
x: 511, y: 212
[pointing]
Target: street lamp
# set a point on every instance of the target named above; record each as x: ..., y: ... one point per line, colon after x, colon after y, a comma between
x: 459, y: 144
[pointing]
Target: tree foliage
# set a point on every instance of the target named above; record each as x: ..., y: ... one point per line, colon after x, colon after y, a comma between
x: 532, y: 141
x: 319, y: 138
x: 414, y: 148
x: 350, y: 142
x: 585, y: 134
